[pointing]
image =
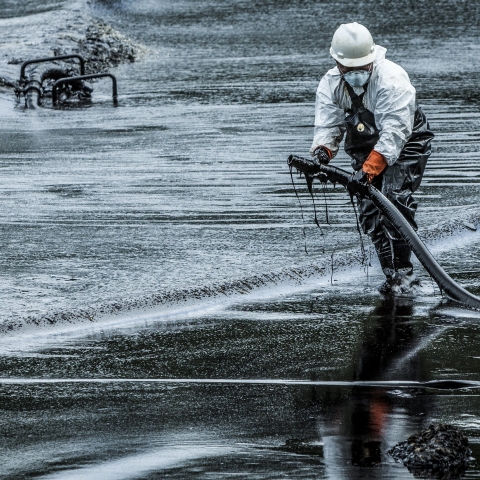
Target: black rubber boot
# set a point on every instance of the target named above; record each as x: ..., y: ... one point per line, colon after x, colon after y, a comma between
x: 399, y: 285
x: 384, y: 254
x: 398, y: 269
x: 402, y: 254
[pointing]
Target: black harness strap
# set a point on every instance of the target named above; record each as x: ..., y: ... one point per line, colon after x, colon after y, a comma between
x: 357, y: 100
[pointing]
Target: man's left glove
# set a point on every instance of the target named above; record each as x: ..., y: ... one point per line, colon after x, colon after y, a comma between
x: 322, y: 154
x: 374, y: 165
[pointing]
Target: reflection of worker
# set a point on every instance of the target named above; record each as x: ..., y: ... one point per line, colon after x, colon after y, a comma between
x: 372, y: 100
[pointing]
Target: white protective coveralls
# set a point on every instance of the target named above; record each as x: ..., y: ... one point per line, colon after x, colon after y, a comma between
x: 390, y: 97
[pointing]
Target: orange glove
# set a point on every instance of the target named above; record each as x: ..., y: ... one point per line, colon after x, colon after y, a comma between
x: 374, y: 165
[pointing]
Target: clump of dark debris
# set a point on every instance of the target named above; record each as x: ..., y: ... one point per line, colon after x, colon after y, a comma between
x: 104, y: 47
x: 440, y: 451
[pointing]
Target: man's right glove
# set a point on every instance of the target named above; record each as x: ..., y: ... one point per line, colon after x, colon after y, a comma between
x: 322, y: 154
x: 359, y: 176
x: 359, y: 183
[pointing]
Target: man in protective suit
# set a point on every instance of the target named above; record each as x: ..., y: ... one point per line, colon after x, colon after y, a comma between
x: 371, y: 100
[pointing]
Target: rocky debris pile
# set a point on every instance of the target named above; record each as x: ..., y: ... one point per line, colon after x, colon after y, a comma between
x: 434, y: 451
x: 104, y: 47
x: 98, y: 43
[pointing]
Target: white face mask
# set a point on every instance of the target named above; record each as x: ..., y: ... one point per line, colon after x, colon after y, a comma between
x: 357, y: 78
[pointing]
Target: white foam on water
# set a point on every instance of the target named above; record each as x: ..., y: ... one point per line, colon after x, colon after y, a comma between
x: 455, y: 242
x: 32, y: 337
x: 460, y: 313
x: 136, y: 465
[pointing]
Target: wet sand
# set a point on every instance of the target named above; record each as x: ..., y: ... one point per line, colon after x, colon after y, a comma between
x: 185, y: 186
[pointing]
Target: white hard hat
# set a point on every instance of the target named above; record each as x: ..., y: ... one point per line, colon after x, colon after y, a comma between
x: 352, y: 45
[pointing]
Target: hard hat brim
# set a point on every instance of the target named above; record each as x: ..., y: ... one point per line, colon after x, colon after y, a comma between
x: 354, y: 62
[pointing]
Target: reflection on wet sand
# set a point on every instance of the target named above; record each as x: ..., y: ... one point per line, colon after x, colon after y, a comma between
x: 338, y: 428
x: 357, y: 426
